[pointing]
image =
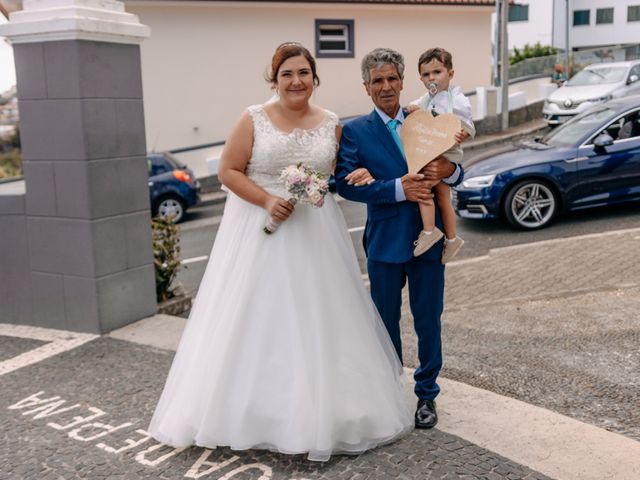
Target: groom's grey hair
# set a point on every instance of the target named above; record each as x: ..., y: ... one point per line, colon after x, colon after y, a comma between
x: 379, y: 57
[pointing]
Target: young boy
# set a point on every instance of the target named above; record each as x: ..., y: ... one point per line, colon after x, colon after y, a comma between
x: 436, y: 71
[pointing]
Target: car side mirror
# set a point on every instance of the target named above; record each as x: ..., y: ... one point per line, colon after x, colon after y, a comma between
x: 603, y: 140
x: 632, y: 79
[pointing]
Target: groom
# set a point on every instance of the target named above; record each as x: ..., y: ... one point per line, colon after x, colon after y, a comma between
x: 393, y: 221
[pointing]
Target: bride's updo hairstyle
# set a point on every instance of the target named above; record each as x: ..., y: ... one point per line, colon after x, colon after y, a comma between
x: 284, y: 52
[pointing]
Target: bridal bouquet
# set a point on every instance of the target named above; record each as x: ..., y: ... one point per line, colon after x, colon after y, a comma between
x: 305, y: 185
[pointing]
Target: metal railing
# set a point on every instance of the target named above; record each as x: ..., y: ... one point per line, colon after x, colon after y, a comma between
x: 578, y: 59
x: 534, y: 66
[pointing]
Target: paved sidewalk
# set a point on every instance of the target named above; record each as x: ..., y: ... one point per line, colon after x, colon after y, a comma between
x: 541, y: 380
x: 534, y: 127
x: 554, y: 324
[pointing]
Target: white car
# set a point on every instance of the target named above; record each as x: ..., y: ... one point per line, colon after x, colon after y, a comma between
x: 594, y: 84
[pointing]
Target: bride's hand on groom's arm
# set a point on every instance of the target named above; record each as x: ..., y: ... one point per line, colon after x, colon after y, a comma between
x: 417, y: 188
x: 359, y: 177
x: 279, y: 209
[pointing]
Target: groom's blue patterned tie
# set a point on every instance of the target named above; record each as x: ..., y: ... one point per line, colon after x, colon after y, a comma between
x: 392, y: 125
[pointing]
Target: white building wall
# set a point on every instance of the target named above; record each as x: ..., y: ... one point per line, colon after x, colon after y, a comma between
x: 205, y: 63
x: 537, y: 29
x: 620, y: 32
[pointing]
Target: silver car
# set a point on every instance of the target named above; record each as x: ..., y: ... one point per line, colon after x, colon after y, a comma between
x: 594, y: 84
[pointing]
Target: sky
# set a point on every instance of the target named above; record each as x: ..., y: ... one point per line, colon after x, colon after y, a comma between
x: 7, y: 69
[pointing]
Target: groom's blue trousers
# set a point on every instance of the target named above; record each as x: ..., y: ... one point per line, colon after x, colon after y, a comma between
x: 426, y: 297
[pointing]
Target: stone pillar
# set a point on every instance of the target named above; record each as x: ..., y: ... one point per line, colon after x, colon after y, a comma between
x: 83, y: 149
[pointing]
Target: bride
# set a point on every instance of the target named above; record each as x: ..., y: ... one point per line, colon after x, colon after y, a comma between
x: 284, y: 349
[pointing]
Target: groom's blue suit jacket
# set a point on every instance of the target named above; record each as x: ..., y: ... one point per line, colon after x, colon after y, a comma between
x: 391, y: 226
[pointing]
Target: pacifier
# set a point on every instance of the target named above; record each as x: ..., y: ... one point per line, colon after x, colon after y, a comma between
x: 433, y: 88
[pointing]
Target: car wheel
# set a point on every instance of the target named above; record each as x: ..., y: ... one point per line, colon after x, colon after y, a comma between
x: 170, y: 207
x: 530, y: 204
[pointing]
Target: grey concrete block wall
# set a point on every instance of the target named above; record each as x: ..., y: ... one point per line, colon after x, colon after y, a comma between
x: 121, y: 295
x: 78, y: 69
x: 12, y: 205
x: 139, y: 248
x: 92, y: 129
x: 15, y: 273
x: 51, y: 129
x: 86, y: 257
x: 85, y: 189
x: 39, y: 180
x: 48, y: 300
x: 81, y: 303
x: 30, y: 70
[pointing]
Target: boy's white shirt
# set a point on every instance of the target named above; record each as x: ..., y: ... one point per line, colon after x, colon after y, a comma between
x: 440, y: 103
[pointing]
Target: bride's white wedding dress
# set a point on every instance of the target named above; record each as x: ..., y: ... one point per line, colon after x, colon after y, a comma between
x: 284, y: 349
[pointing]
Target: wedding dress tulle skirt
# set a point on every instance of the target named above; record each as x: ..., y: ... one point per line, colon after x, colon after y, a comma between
x: 284, y: 349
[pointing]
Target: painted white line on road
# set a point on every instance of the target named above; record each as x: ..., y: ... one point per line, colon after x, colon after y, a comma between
x: 58, y: 341
x: 201, y: 223
x: 194, y: 259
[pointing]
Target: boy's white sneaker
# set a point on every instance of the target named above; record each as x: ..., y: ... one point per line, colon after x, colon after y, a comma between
x: 451, y: 248
x: 426, y: 240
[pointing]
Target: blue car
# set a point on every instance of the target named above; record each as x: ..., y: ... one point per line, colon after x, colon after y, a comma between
x: 172, y: 186
x: 590, y: 161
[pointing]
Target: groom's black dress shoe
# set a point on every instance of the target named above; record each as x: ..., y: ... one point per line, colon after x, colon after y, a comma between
x: 426, y: 416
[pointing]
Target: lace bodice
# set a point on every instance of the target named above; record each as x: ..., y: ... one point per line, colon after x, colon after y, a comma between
x: 273, y: 149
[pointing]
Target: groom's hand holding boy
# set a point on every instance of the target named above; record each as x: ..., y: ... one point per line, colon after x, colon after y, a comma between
x: 417, y: 188
x: 437, y: 169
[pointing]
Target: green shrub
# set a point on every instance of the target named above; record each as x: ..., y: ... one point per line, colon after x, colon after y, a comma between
x: 14, y: 139
x: 529, y: 51
x: 10, y: 164
x: 166, y: 257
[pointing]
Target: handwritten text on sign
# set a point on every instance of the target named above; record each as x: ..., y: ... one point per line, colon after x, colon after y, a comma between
x: 425, y: 137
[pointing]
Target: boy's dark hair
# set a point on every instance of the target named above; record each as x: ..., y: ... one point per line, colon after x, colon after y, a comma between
x: 439, y: 54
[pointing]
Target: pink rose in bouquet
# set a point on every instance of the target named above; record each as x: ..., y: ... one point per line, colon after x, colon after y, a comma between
x: 304, y: 185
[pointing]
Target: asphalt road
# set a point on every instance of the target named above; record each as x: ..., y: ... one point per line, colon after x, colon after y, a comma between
x: 200, y: 227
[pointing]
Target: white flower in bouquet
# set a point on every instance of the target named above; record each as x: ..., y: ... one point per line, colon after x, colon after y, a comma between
x: 305, y: 185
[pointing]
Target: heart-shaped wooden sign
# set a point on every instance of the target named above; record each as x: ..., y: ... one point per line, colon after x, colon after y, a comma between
x: 425, y: 137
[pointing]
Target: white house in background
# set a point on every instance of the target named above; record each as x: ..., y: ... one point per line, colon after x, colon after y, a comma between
x: 205, y: 60
x: 528, y: 23
x: 597, y: 23
x: 592, y: 23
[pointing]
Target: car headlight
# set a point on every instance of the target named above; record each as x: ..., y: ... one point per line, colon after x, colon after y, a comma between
x: 601, y: 99
x: 479, y: 182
